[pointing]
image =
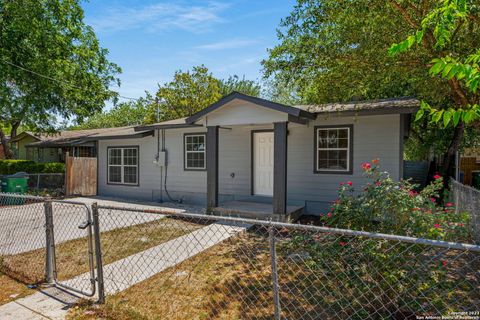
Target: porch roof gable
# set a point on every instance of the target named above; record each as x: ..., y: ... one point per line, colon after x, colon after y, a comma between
x: 291, y: 111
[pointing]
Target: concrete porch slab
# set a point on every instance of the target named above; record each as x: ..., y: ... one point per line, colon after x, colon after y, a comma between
x: 257, y: 210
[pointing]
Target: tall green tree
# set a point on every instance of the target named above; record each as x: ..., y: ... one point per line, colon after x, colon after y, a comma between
x: 192, y: 90
x: 242, y: 85
x: 51, y: 65
x: 443, y: 31
x: 123, y: 114
x: 187, y: 93
x: 338, y: 50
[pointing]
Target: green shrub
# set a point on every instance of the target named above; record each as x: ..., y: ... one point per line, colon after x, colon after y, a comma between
x: 389, y: 206
x: 385, y: 279
x: 14, y: 166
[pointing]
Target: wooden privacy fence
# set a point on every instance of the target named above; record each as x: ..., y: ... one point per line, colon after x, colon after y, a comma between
x: 467, y: 166
x: 80, y: 176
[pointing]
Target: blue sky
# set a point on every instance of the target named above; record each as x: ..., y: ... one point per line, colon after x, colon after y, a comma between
x: 150, y: 40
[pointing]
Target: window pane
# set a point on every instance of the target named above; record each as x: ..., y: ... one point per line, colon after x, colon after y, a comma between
x: 343, y: 133
x: 343, y: 143
x: 333, y: 138
x: 115, y: 156
x: 333, y: 155
x: 130, y: 175
x: 323, y: 154
x: 130, y: 157
x: 115, y: 174
x: 322, y: 163
x: 322, y: 139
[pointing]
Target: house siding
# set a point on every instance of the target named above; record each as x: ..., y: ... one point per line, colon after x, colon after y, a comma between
x: 373, y: 137
x: 187, y: 185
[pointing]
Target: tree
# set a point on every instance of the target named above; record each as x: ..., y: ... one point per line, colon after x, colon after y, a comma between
x: 192, y: 91
x: 51, y: 65
x: 338, y: 50
x: 123, y: 114
x: 186, y: 94
x: 234, y: 83
x: 443, y: 31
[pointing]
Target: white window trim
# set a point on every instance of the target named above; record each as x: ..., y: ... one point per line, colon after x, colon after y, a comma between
x: 122, y: 166
x: 185, y: 152
x: 333, y: 149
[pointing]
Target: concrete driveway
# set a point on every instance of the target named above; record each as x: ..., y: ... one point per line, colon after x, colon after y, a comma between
x: 22, y: 228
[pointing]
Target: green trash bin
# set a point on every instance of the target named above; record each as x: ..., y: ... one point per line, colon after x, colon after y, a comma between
x: 15, y: 183
x: 476, y: 179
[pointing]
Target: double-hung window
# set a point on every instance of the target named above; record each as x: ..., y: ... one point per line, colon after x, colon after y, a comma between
x: 333, y: 149
x: 123, y: 165
x: 194, y: 151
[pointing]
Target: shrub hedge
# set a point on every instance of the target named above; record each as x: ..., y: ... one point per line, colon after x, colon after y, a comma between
x: 14, y: 166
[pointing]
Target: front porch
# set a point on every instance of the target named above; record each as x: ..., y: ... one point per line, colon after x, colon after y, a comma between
x: 257, y: 210
x: 264, y: 128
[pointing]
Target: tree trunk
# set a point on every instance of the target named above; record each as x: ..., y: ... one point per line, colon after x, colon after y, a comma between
x: 5, y: 145
x: 453, y: 148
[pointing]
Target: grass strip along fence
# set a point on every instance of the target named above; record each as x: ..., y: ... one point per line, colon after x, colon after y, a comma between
x: 268, y: 270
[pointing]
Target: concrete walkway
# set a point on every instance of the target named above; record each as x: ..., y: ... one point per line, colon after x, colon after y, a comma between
x: 123, y: 273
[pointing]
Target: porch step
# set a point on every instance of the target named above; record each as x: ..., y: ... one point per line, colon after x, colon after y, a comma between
x: 256, y: 210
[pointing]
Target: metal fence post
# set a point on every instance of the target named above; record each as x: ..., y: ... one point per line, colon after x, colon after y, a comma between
x: 50, y: 243
x: 98, y: 254
x: 273, y: 261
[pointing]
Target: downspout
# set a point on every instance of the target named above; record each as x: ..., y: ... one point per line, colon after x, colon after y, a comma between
x: 161, y: 167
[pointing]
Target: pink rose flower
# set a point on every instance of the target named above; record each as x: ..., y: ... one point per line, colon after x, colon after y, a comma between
x: 437, y: 176
x: 350, y: 183
x: 437, y: 226
x: 366, y: 166
x: 449, y: 204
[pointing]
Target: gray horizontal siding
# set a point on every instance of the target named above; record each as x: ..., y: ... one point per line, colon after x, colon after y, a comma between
x: 374, y: 137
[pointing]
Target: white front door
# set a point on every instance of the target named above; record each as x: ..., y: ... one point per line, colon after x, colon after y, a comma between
x: 263, y: 163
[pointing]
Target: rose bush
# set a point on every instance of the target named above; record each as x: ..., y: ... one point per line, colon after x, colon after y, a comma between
x: 389, y: 206
x: 379, y: 278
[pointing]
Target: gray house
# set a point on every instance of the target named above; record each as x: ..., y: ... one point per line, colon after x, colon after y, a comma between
x: 250, y: 156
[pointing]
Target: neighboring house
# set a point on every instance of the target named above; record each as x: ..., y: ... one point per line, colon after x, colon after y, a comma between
x: 250, y: 149
x: 53, y: 147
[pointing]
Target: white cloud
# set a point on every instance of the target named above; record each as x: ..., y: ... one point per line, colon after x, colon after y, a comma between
x: 160, y: 16
x: 228, y: 44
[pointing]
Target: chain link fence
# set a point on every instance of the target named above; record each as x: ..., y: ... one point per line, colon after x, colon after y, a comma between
x: 175, y: 265
x: 467, y: 199
x: 22, y: 238
x: 49, y: 181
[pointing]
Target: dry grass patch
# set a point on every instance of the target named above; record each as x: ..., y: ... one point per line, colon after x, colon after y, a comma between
x: 231, y: 280
x: 72, y: 256
x: 11, y: 289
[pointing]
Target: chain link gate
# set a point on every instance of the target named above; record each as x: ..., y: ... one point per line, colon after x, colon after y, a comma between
x: 70, y: 226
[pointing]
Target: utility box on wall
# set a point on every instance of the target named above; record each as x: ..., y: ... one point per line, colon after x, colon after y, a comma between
x: 162, y: 158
